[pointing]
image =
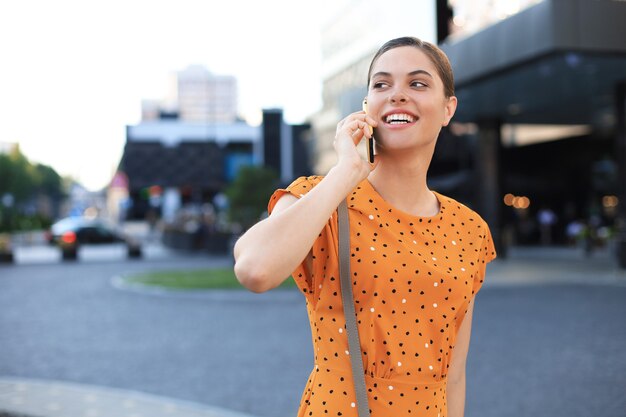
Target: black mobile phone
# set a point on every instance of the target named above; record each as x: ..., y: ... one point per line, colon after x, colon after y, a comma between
x: 370, y: 141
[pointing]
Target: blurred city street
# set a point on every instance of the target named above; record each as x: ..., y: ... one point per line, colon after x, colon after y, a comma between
x: 158, y: 144
x: 548, y: 337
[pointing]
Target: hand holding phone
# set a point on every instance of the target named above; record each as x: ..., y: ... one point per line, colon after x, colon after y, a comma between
x: 370, y: 141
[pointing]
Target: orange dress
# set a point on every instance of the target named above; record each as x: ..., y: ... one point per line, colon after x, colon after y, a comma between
x: 414, y: 278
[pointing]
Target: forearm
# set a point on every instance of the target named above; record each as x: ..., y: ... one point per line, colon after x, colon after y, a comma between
x: 269, y: 251
x: 455, y: 393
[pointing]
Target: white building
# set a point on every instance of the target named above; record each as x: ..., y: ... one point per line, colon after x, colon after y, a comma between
x: 197, y: 95
x: 205, y: 97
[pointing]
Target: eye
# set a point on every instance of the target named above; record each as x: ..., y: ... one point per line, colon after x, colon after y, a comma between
x: 379, y: 84
x: 418, y: 84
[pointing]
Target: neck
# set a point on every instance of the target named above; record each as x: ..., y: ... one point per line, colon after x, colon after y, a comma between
x: 401, y: 180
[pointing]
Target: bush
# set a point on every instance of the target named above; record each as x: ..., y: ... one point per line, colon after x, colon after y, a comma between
x: 249, y: 193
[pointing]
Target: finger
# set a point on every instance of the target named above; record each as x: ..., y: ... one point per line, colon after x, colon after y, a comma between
x: 353, y: 129
x: 350, y: 126
x: 360, y: 115
x: 368, y: 130
x: 371, y: 121
x: 355, y: 126
x: 341, y: 123
x: 358, y: 133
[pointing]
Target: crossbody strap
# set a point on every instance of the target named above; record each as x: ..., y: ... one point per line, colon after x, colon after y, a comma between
x: 354, y: 346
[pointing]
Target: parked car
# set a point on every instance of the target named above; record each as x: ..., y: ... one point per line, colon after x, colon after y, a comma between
x: 72, y: 232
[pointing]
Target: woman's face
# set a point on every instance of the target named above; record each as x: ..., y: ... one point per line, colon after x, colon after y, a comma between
x: 406, y: 96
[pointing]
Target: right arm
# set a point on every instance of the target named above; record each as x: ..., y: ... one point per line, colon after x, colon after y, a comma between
x: 271, y: 250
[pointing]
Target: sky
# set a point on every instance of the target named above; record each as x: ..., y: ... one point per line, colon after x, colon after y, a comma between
x: 74, y: 73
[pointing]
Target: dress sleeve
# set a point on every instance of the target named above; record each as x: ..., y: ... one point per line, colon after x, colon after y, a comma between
x: 307, y: 275
x: 487, y: 254
x: 298, y: 188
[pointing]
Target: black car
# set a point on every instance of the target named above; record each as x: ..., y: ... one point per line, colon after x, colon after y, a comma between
x: 72, y: 232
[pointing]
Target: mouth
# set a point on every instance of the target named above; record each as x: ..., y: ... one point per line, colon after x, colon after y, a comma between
x: 399, y: 118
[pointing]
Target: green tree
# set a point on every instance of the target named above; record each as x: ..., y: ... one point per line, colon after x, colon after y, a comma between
x: 19, y: 178
x: 49, y: 182
x: 248, y: 194
x: 23, y: 182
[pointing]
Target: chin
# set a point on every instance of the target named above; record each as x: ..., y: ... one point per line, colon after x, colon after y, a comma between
x: 403, y: 144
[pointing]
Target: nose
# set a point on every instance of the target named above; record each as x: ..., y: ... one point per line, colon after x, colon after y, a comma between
x: 398, y: 96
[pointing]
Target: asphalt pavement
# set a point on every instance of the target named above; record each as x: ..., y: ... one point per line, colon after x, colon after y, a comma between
x: 552, y: 295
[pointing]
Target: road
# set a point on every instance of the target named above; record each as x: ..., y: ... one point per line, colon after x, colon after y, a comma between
x: 537, y: 349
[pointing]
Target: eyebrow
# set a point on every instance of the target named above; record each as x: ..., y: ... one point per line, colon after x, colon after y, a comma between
x: 412, y: 73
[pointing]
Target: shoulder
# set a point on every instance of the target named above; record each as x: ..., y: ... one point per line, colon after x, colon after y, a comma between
x: 303, y: 185
x: 468, y: 223
x: 461, y: 214
x: 298, y: 188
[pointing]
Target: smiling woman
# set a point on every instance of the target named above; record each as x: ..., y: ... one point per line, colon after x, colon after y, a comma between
x: 417, y: 258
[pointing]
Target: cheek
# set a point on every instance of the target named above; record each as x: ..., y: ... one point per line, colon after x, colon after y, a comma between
x: 435, y: 110
x: 444, y: 115
x: 441, y: 110
x: 373, y: 105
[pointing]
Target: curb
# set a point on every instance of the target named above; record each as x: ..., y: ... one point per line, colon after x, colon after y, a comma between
x: 21, y: 397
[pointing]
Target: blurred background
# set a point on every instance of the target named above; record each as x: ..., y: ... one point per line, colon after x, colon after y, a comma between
x: 145, y: 137
x: 148, y: 124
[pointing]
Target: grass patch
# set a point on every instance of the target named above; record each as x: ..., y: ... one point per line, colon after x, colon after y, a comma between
x: 201, y: 279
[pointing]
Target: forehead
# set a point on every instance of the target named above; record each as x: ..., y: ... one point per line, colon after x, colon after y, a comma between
x: 404, y: 59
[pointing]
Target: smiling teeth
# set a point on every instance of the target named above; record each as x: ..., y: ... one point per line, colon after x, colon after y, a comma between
x: 399, y: 118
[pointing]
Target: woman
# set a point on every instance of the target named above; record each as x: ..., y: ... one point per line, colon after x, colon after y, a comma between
x: 417, y: 257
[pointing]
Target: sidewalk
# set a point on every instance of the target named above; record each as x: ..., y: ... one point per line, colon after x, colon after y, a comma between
x: 539, y: 265
x: 36, y: 398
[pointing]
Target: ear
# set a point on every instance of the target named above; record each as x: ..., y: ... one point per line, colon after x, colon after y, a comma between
x: 450, y: 108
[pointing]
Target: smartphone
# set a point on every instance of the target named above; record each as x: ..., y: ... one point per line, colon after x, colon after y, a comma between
x: 370, y: 141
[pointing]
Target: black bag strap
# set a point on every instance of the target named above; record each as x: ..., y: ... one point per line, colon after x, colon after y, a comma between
x: 354, y: 346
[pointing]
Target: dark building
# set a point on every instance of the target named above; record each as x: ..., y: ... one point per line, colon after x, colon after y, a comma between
x: 272, y: 138
x: 302, y: 149
x: 286, y: 148
x: 194, y: 168
x: 170, y: 163
x: 558, y: 63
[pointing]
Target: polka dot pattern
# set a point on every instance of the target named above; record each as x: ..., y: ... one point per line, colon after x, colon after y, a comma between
x: 413, y: 281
